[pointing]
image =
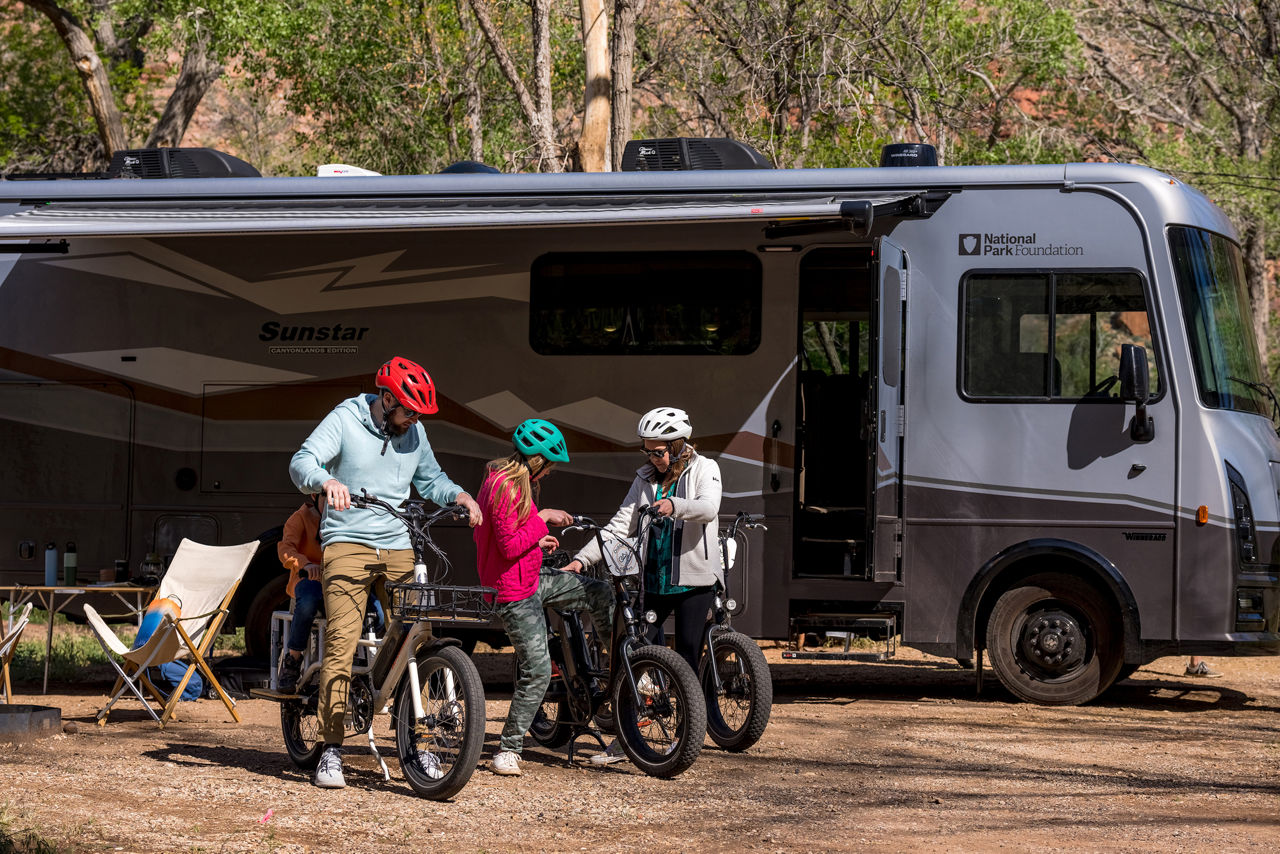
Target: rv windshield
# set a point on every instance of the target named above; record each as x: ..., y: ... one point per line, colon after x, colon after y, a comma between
x: 1215, y: 301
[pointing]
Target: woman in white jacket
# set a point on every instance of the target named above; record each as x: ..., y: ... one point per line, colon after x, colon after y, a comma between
x: 681, y: 551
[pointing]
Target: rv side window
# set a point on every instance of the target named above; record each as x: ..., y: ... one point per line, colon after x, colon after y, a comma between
x: 645, y: 303
x: 1052, y: 336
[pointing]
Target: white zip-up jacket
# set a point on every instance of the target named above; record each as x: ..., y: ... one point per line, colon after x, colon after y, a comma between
x: 695, y: 544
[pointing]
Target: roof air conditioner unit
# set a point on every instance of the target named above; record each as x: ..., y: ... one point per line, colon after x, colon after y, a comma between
x: 178, y: 163
x: 666, y: 155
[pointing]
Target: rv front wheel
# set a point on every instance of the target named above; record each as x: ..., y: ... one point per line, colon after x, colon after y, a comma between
x: 1052, y: 640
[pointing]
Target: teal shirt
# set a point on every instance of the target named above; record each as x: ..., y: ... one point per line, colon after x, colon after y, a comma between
x: 657, y: 566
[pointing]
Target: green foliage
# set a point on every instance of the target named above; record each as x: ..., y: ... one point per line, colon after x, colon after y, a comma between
x: 76, y: 654
x: 819, y: 84
x: 45, y: 125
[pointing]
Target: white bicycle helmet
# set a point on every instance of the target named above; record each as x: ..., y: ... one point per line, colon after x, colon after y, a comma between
x: 665, y: 422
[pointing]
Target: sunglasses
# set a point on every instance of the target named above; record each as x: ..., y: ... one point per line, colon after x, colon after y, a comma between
x: 408, y: 413
x: 655, y: 454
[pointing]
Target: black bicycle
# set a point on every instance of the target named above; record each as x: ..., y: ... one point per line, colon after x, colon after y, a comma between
x: 438, y: 713
x: 734, y: 675
x: 657, y: 709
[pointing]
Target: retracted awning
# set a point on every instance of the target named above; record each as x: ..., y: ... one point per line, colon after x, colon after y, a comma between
x: 63, y: 219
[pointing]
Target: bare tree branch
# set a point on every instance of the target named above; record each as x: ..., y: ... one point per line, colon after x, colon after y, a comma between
x: 93, y: 75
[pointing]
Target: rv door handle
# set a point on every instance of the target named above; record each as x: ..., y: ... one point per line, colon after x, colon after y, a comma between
x: 881, y: 425
x: 775, y: 482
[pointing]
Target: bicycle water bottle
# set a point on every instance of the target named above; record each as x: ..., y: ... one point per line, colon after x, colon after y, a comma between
x: 69, y: 565
x: 156, y: 611
x: 51, y: 565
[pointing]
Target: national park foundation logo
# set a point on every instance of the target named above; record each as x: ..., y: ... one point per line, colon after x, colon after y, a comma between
x: 994, y: 244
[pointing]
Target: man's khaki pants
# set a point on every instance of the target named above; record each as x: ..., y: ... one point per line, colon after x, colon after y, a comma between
x: 349, y: 571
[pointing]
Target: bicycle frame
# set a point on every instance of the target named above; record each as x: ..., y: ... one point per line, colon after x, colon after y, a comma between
x: 397, y: 651
x: 629, y: 599
x: 721, y: 621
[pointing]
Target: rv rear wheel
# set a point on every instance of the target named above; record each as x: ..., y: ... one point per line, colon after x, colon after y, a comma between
x: 1053, y: 640
x: 257, y: 621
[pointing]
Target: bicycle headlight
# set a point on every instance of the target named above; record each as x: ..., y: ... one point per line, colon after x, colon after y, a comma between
x: 651, y: 616
x: 731, y: 605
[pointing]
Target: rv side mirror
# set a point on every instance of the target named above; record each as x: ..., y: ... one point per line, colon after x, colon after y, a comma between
x: 1133, y: 374
x: 1134, y: 388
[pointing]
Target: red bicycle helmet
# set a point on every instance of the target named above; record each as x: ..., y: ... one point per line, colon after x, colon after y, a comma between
x: 411, y: 385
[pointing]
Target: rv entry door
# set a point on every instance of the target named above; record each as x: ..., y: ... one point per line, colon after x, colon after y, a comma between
x: 886, y: 413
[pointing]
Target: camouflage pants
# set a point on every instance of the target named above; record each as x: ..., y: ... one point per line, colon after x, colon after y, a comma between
x: 526, y: 626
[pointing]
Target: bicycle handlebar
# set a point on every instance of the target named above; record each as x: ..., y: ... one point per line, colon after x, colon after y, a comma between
x: 746, y: 520
x: 415, y: 509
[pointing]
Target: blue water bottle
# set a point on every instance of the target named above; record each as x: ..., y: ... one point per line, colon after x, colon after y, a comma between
x: 51, y: 565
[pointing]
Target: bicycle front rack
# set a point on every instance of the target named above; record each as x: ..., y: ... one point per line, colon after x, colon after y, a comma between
x: 442, y: 603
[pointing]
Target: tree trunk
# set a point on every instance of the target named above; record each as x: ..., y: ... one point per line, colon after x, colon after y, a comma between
x: 474, y: 106
x: 197, y: 75
x: 624, y: 49
x: 543, y: 129
x: 539, y: 124
x: 829, y: 347
x: 93, y: 75
x: 593, y: 145
x: 1258, y: 278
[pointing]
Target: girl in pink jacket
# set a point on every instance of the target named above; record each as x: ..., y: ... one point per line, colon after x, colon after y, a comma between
x: 509, y: 546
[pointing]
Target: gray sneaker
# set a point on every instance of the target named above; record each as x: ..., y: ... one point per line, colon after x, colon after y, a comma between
x: 613, y: 753
x: 329, y: 771
x: 1202, y: 671
x: 429, y: 764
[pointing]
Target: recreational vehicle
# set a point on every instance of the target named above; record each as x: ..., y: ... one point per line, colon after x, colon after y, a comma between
x: 1016, y: 410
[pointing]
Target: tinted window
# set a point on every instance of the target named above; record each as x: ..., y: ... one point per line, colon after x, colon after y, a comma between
x: 1215, y: 302
x: 1052, y: 335
x: 645, y: 303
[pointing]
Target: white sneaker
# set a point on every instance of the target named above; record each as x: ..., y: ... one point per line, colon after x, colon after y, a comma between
x: 506, y: 763
x: 613, y: 753
x: 429, y: 764
x: 329, y: 771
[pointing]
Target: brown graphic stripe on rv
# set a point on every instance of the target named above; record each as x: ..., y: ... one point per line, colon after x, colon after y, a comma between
x: 314, y: 399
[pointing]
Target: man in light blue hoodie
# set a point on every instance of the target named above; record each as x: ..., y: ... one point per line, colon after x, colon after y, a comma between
x: 372, y: 442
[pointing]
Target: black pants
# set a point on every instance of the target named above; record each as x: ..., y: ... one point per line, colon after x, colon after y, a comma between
x: 692, y: 609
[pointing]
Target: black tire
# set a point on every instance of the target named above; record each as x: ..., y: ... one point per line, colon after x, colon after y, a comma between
x: 738, y: 714
x: 257, y: 620
x: 1054, y: 640
x: 452, y: 727
x: 301, y: 727
x: 667, y: 737
x: 549, y: 728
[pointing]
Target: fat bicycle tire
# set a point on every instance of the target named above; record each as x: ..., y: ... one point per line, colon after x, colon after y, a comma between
x: 549, y: 727
x: 665, y: 739
x: 300, y: 724
x: 737, y: 716
x: 439, y: 753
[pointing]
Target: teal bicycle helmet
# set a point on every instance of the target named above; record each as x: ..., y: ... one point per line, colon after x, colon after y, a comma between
x: 535, y: 436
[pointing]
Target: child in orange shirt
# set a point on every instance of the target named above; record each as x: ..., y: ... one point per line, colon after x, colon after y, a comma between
x: 301, y: 554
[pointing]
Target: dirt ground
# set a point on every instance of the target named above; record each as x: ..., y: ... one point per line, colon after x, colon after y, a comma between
x: 896, y: 756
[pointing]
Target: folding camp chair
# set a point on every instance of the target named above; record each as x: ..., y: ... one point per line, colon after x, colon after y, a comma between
x: 9, y: 644
x: 203, y: 579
